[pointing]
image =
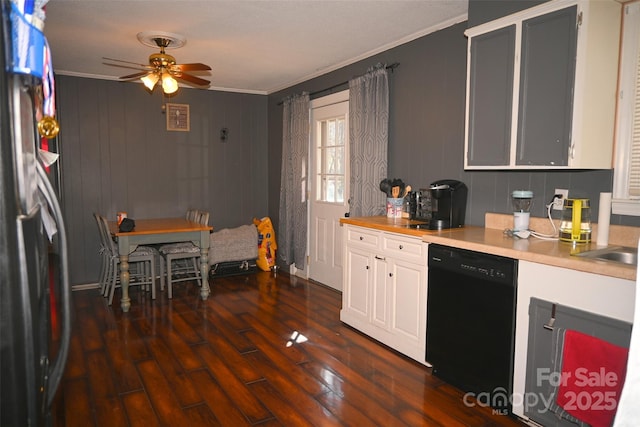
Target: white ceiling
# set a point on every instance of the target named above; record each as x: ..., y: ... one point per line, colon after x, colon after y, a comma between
x: 253, y: 46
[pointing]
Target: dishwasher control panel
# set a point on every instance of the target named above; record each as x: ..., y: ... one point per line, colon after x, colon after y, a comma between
x: 471, y: 263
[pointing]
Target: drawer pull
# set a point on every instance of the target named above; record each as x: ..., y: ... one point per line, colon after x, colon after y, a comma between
x: 380, y: 258
x: 390, y: 274
x: 361, y: 238
x: 400, y: 247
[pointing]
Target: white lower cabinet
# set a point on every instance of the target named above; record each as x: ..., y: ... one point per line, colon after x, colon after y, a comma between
x: 385, y: 288
x: 594, y: 293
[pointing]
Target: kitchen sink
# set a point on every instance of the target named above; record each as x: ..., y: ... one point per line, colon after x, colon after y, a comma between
x: 621, y: 254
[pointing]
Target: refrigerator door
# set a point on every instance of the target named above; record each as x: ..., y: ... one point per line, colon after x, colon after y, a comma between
x: 31, y: 358
x: 28, y: 317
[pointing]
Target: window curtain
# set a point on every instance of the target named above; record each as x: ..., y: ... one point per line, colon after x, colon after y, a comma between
x: 292, y: 239
x: 368, y: 141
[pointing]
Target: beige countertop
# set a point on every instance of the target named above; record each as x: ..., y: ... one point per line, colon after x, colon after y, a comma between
x: 491, y: 239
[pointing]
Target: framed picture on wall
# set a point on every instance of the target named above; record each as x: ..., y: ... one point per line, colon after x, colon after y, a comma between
x: 178, y: 117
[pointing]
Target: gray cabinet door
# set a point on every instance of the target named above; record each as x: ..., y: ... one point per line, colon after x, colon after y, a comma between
x: 491, y: 97
x: 547, y: 72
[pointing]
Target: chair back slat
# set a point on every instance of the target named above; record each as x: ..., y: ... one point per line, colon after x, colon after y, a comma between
x: 204, y: 218
x: 109, y: 242
x: 192, y: 214
x: 99, y: 224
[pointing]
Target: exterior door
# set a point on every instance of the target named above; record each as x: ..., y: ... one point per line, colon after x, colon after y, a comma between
x: 329, y: 193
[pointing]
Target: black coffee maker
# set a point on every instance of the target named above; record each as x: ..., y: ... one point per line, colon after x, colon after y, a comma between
x: 448, y: 204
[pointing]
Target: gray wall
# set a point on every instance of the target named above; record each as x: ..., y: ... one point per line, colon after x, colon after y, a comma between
x: 426, y: 135
x: 118, y: 156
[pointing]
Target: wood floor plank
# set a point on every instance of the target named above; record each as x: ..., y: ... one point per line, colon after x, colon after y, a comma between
x: 292, y: 369
x: 233, y: 359
x: 222, y: 406
x: 280, y: 338
x: 180, y: 349
x: 161, y: 394
x: 283, y: 411
x: 77, y: 410
x: 350, y: 415
x: 359, y: 400
x: 292, y: 392
x: 90, y: 334
x: 237, y: 391
x: 470, y: 411
x: 106, y: 406
x: 140, y: 413
x: 75, y: 359
x: 131, y: 340
x: 124, y: 371
x: 181, y: 327
x: 227, y: 324
x: 182, y: 387
x: 201, y: 415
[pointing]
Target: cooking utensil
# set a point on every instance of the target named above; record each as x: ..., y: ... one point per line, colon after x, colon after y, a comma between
x: 385, y: 186
x: 397, y: 182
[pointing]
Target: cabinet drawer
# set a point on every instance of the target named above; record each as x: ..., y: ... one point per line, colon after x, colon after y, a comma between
x: 363, y: 237
x: 407, y: 247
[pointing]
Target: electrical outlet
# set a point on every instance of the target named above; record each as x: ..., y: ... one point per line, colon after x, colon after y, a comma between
x: 558, y: 202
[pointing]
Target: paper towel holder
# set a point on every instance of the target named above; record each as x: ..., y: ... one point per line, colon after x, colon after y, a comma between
x: 604, y: 219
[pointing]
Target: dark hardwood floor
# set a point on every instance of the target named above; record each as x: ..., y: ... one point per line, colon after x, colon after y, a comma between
x: 240, y: 359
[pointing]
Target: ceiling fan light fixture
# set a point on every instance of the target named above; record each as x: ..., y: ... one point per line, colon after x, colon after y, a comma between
x: 169, y: 84
x: 162, y: 68
x: 150, y: 80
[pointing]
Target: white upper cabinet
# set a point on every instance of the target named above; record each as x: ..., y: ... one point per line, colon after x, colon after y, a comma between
x: 541, y: 87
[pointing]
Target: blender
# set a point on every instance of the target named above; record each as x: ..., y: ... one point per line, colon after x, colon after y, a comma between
x: 521, y: 200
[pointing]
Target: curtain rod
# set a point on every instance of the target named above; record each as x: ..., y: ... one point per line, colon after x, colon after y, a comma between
x: 388, y: 67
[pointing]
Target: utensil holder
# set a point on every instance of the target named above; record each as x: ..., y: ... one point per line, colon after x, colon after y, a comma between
x: 394, y: 207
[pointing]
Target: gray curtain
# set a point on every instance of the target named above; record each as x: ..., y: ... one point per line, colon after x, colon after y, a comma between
x: 292, y: 238
x: 368, y: 141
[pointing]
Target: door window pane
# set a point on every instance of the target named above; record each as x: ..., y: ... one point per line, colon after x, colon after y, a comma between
x: 331, y: 160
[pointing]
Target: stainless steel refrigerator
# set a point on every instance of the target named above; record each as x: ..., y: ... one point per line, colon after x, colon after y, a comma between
x: 34, y: 287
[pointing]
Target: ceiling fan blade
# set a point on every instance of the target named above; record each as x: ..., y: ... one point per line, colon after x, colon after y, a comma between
x: 192, y: 67
x: 192, y: 79
x: 134, y: 76
x: 126, y: 62
x: 130, y: 67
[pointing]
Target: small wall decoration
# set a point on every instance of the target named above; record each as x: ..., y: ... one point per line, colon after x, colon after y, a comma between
x: 178, y: 117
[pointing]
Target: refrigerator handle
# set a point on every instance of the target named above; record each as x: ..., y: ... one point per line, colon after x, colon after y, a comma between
x: 57, y: 369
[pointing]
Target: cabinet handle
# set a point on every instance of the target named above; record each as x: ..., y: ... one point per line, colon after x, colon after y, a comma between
x: 380, y: 258
x: 400, y: 247
x: 390, y: 274
x: 367, y: 267
x: 361, y: 238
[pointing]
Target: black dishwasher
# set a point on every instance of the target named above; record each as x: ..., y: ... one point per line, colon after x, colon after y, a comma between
x: 471, y: 308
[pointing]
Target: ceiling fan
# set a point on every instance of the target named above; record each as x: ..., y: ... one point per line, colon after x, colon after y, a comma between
x: 162, y: 67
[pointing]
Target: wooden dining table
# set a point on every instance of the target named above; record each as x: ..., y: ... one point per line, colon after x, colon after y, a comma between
x: 161, y: 230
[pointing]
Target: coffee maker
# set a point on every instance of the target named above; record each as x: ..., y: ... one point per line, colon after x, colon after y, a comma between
x: 420, y: 205
x: 448, y: 204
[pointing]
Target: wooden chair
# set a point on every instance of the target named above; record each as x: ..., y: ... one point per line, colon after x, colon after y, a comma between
x: 182, y: 260
x: 142, y: 265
